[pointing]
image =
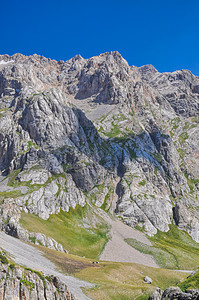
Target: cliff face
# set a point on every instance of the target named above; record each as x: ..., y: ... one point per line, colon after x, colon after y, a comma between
x: 98, y: 130
x: 18, y: 283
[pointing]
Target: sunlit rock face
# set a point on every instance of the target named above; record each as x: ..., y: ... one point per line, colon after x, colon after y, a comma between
x: 101, y: 132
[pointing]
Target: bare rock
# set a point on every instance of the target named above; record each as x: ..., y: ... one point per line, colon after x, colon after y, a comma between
x: 157, y: 294
x: 148, y: 280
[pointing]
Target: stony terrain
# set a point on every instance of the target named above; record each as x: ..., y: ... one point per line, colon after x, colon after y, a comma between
x: 19, y: 283
x: 125, y: 253
x: 39, y: 279
x: 174, y: 293
x: 102, y: 132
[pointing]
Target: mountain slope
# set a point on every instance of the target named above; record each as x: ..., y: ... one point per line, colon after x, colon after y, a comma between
x: 100, y: 132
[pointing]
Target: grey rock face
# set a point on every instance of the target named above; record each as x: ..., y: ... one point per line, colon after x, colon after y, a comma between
x: 157, y: 294
x: 138, y: 156
x: 174, y: 293
x: 148, y: 280
x: 19, y: 283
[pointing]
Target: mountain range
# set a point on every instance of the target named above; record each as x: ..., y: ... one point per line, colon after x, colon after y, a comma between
x: 90, y: 134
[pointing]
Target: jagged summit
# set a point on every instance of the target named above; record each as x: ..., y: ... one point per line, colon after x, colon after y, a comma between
x: 98, y: 132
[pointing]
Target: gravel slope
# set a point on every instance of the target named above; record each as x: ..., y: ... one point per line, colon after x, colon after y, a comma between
x: 118, y: 250
x: 30, y: 257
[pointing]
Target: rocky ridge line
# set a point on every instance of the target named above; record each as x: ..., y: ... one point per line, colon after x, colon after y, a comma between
x: 141, y: 145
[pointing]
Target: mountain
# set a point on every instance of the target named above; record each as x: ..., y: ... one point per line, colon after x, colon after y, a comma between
x: 97, y: 133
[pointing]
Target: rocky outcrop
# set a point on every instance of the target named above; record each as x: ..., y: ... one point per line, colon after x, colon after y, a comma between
x: 174, y: 293
x: 94, y: 130
x: 21, y: 283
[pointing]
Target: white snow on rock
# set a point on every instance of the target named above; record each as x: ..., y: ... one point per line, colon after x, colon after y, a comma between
x: 3, y: 62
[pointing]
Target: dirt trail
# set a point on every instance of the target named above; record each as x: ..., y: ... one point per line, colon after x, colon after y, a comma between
x: 30, y: 257
x: 118, y: 250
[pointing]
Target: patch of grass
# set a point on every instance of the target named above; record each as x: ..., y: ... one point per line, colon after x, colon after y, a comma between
x: 122, y: 140
x: 174, y: 249
x: 173, y: 200
x: 157, y: 156
x: 143, y: 297
x: 107, y: 197
x: 182, y: 138
x: 132, y: 152
x: 156, y: 169
x: 11, y: 194
x: 186, y: 126
x: 49, y: 278
x: 120, y: 117
x: 69, y: 230
x: 142, y: 183
x: 113, y: 280
x: 59, y: 189
x: 191, y: 182
x: 171, y: 134
x: 175, y: 121
x: 27, y: 283
x: 3, y: 259
x: 181, y: 153
x: 12, y: 266
x: 2, y: 111
x: 140, y: 228
x: 114, y: 132
x: 32, y: 239
x: 31, y: 187
x: 180, y: 245
x: 30, y: 145
x: 163, y: 258
x: 40, y: 275
x: 12, y: 176
x: 190, y: 283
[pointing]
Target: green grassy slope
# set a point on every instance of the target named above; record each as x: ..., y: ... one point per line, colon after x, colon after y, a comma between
x: 80, y: 231
x: 114, y: 280
x: 174, y: 249
x: 190, y: 283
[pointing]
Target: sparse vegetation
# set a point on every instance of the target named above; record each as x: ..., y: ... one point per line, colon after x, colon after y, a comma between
x: 183, y: 137
x: 191, y: 182
x: 132, y: 152
x: 3, y: 259
x: 10, y: 194
x: 157, y: 156
x: 27, y: 283
x: 143, y: 182
x: 32, y: 239
x: 29, y: 146
x: 106, y: 198
x: 181, y: 153
x: 14, y: 183
x: 12, y: 266
x: 114, y: 132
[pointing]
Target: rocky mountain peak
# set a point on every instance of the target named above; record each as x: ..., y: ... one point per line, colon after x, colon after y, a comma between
x: 101, y: 132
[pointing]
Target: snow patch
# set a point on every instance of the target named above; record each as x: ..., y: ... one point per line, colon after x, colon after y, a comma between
x: 3, y: 62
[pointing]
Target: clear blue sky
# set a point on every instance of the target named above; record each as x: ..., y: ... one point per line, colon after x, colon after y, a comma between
x: 164, y: 33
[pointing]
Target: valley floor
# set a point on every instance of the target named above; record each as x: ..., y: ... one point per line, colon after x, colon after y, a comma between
x: 106, y: 280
